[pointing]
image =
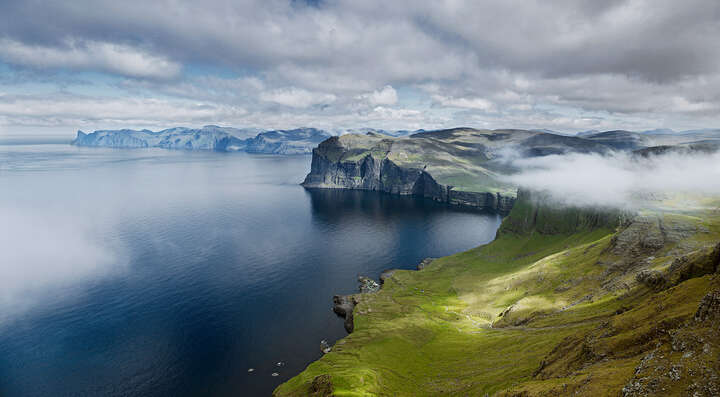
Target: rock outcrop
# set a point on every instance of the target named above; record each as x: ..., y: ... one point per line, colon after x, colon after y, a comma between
x: 367, y: 285
x: 336, y: 165
x: 462, y: 166
x: 343, y: 306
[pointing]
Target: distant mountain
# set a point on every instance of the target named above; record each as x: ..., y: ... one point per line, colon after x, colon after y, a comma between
x: 303, y: 140
x: 714, y: 132
x: 297, y: 141
x: 550, y: 131
x: 363, y: 131
x: 210, y: 137
x: 620, y: 140
x: 629, y: 140
x: 658, y: 131
x: 399, y: 133
x: 588, y: 132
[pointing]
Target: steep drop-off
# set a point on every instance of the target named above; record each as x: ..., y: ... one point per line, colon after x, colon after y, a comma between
x: 564, y: 302
x: 461, y: 166
x: 376, y: 171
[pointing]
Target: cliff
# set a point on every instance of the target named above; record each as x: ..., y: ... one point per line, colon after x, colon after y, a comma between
x: 566, y: 301
x: 536, y: 212
x: 460, y: 166
x: 384, y: 164
x: 210, y: 137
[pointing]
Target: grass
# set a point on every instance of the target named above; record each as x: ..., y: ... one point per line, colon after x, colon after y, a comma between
x: 439, y: 331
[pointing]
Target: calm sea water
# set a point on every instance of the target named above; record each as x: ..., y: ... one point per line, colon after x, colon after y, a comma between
x: 159, y: 273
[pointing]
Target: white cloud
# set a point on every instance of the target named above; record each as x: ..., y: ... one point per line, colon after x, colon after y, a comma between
x: 627, y: 64
x: 467, y: 103
x: 385, y: 96
x: 619, y: 179
x: 297, y: 98
x: 90, y: 55
x: 75, y: 112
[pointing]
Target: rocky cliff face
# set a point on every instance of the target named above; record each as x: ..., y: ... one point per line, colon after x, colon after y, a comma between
x: 335, y: 167
x: 210, y: 137
x: 461, y: 166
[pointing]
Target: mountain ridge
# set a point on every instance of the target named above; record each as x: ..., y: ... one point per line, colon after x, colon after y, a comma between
x: 463, y: 166
x: 209, y: 137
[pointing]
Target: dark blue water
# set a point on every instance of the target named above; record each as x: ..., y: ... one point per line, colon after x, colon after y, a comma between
x: 158, y: 273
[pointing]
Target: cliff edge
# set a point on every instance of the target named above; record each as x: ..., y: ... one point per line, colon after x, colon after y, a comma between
x: 406, y: 166
x: 460, y: 166
x: 566, y: 301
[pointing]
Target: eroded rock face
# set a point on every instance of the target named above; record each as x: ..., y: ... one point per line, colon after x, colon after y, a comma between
x: 696, y: 263
x: 321, y: 386
x: 488, y: 200
x: 643, y: 237
x: 653, y: 279
x: 634, y: 249
x: 334, y: 167
x: 343, y: 306
x: 709, y: 308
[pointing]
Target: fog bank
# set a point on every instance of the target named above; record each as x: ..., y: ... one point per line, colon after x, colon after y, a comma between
x: 619, y: 179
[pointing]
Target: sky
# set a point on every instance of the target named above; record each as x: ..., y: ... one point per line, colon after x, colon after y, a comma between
x: 563, y: 65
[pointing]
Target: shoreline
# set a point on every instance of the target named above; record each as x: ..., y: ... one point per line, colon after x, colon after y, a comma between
x: 343, y: 305
x: 468, y: 204
x: 562, y: 301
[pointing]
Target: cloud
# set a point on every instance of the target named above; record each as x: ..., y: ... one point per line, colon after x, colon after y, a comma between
x: 566, y: 65
x: 385, y: 96
x: 619, y: 179
x: 297, y: 98
x: 42, y: 250
x: 91, y: 55
x: 468, y: 103
x: 79, y: 111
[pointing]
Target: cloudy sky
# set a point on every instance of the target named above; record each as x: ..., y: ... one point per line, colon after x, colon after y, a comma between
x: 563, y: 65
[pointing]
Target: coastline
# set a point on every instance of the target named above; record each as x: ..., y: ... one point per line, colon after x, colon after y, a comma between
x: 514, y: 317
x: 481, y: 201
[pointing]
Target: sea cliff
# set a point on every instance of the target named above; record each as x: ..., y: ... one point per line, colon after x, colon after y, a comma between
x: 565, y: 301
x: 459, y: 166
x: 339, y: 164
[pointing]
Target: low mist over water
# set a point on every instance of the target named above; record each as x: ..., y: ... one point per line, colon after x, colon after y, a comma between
x: 155, y: 273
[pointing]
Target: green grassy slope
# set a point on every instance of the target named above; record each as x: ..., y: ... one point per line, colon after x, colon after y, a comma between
x: 563, y: 301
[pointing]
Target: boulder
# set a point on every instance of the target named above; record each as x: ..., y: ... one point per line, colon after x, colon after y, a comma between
x: 325, y: 346
x: 343, y: 306
x: 424, y: 263
x: 367, y: 285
